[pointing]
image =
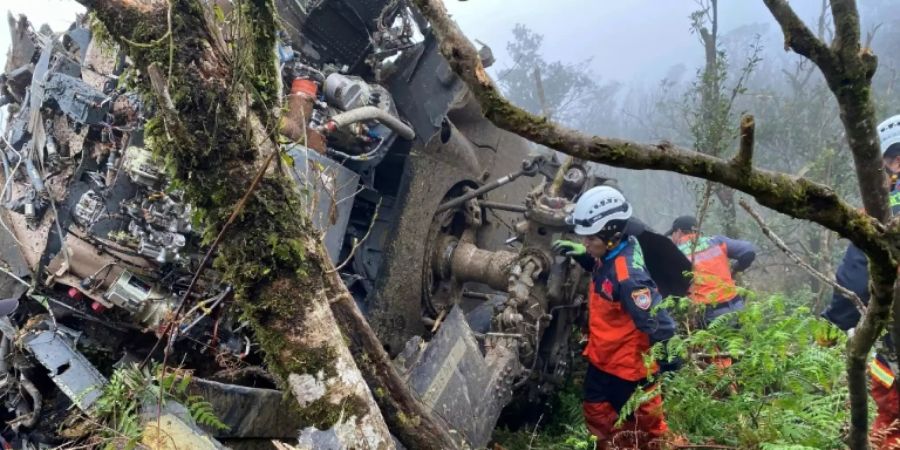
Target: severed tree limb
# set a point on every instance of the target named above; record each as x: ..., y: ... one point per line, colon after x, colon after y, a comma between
x: 857, y: 302
x: 744, y: 157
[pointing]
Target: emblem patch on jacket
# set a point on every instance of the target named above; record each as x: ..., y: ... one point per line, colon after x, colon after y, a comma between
x: 642, y: 298
x: 606, y: 287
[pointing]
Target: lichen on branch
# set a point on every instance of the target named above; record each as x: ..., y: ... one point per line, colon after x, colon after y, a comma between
x: 211, y: 141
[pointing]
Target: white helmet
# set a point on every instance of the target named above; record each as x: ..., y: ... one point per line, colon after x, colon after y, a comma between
x: 889, y: 133
x: 601, y: 208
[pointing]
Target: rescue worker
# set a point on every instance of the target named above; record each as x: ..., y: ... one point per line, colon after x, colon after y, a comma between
x: 622, y: 321
x: 853, y: 274
x: 713, y: 281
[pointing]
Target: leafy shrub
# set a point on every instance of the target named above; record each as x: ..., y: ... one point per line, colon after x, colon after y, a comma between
x: 130, y: 388
x: 786, y: 388
x: 564, y: 429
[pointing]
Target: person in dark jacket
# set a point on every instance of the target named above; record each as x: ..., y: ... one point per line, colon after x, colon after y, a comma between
x: 713, y: 283
x: 623, y: 322
x: 853, y: 274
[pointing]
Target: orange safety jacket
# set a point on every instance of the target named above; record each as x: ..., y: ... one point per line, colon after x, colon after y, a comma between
x: 622, y: 327
x: 712, y: 283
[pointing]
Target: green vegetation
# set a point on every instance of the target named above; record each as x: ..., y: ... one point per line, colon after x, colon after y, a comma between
x: 565, y: 429
x: 131, y: 389
x: 787, y: 387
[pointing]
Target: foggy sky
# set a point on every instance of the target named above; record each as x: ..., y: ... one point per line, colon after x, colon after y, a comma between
x: 627, y: 40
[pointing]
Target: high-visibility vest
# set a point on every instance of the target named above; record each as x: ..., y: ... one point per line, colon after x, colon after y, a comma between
x: 712, y: 270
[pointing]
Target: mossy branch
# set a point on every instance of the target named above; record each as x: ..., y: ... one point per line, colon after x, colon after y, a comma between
x: 797, y: 197
x: 848, y: 72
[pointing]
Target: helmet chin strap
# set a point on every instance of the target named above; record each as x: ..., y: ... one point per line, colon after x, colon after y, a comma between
x: 894, y: 177
x: 613, y: 240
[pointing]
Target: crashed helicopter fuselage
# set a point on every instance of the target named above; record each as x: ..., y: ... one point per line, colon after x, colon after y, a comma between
x: 440, y: 225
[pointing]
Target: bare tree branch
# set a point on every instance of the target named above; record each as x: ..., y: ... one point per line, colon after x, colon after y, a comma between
x: 848, y: 70
x: 857, y: 302
x: 798, y: 197
x: 870, y: 35
x: 797, y: 36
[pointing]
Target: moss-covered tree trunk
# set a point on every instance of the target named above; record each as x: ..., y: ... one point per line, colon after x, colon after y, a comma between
x: 215, y: 124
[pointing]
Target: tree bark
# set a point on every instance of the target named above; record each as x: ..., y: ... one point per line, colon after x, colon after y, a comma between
x: 848, y: 70
x: 215, y: 124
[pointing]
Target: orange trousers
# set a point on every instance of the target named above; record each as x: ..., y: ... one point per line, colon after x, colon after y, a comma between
x: 637, y: 432
x: 886, y: 428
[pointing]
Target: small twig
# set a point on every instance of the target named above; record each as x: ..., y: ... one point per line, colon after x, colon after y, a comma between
x: 14, y: 276
x: 800, y: 262
x: 714, y: 446
x: 437, y: 322
x: 534, y: 432
x: 171, y: 39
x: 360, y: 242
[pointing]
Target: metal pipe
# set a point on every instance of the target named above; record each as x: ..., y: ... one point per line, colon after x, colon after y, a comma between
x: 36, y: 399
x: 477, y: 295
x: 503, y: 206
x: 529, y: 167
x: 7, y: 172
x: 4, y: 366
x: 363, y: 157
x: 371, y: 113
x: 484, y: 189
x: 470, y: 263
x: 33, y: 173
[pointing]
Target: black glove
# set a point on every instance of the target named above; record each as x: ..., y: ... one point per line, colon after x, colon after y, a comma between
x: 670, y: 366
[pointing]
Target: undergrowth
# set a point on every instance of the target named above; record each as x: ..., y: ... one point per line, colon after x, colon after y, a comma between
x: 131, y: 390
x: 786, y: 388
x: 563, y: 429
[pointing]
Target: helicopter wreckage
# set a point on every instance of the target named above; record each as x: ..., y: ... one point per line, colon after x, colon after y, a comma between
x: 439, y: 223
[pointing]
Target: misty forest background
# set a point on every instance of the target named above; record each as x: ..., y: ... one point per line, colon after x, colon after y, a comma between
x: 746, y: 69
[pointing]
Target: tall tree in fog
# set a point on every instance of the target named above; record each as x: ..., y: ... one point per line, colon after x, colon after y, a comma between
x: 711, y: 103
x: 554, y: 89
